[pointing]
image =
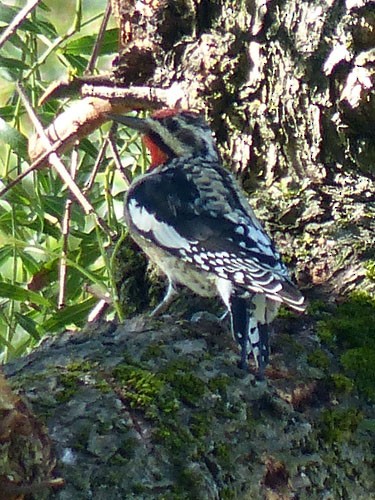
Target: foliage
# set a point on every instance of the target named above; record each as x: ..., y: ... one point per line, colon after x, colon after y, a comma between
x: 337, y: 425
x: 53, y: 42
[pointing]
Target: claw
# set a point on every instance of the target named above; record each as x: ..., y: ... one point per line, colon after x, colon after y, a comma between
x: 170, y: 296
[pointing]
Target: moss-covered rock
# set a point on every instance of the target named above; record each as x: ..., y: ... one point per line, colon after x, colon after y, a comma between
x: 159, y: 409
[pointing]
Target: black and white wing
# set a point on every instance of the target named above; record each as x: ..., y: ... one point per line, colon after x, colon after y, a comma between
x: 201, y: 216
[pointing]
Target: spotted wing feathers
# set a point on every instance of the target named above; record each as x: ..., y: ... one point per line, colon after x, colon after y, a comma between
x: 215, y: 233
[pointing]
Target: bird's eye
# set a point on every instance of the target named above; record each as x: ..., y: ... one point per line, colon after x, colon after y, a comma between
x: 173, y: 125
x: 187, y: 137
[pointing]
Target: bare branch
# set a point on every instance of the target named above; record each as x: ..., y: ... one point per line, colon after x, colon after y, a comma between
x: 57, y: 163
x: 86, y: 115
x: 90, y: 181
x: 138, y: 97
x: 65, y: 229
x: 99, y: 39
x: 116, y: 156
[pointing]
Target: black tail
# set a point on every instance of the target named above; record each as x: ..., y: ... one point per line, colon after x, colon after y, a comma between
x: 249, y: 332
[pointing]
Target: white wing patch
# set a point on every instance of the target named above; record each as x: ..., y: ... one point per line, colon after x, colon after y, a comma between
x: 165, y: 234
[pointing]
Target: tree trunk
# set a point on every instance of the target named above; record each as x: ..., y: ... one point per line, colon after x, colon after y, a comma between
x: 159, y: 409
x: 288, y: 90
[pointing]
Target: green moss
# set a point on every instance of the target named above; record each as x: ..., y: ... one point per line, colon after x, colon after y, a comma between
x: 227, y: 493
x: 219, y: 383
x: 283, y: 312
x: 190, y: 482
x: 337, y: 425
x: 341, y: 383
x: 370, y: 269
x: 103, y: 386
x: 200, y: 425
x: 325, y: 333
x: 175, y: 438
x: 126, y: 450
x: 138, y: 489
x: 353, y: 324
x: 319, y: 308
x: 352, y: 330
x: 153, y: 351
x: 290, y: 344
x: 71, y: 378
x: 188, y: 387
x: 131, y: 277
x: 184, y: 435
x: 359, y: 364
x: 140, y: 387
x: 70, y: 385
x: 319, y: 359
x: 224, y: 456
x: 79, y: 367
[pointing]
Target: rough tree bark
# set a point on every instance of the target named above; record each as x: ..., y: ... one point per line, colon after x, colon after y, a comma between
x: 159, y: 409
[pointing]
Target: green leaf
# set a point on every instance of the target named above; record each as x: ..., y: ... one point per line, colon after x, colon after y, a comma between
x: 15, y: 292
x: 77, y: 62
x: 85, y: 44
x: 87, y: 146
x: 55, y: 206
x: 29, y: 325
x: 28, y: 262
x: 7, y: 14
x: 7, y: 112
x: 5, y: 253
x: 13, y: 66
x: 15, y: 40
x: 45, y: 28
x: 14, y: 138
x: 70, y: 314
x: 43, y: 6
x: 38, y: 25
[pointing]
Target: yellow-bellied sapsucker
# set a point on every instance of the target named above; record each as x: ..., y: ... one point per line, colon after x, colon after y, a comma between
x: 190, y: 217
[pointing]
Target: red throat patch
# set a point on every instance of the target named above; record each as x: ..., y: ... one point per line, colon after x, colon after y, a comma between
x: 158, y: 157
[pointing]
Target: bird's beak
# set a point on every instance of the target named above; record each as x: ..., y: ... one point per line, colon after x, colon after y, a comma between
x: 133, y: 122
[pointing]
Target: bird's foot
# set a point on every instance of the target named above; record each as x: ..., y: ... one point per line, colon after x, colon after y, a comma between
x: 170, y: 296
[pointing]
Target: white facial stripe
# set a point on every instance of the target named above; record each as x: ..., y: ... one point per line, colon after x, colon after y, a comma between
x: 169, y: 139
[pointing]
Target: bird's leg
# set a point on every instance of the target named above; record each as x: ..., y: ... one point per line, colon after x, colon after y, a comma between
x: 169, y: 297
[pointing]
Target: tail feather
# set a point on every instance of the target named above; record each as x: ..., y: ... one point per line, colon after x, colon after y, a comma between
x: 250, y: 318
x: 240, y: 320
x: 259, y: 341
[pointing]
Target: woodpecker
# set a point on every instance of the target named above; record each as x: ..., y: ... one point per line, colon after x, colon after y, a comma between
x: 189, y: 215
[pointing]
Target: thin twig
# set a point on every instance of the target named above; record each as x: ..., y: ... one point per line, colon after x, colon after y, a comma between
x: 99, y: 159
x: 18, y: 19
x: 99, y: 39
x: 65, y: 229
x: 116, y: 156
x: 55, y: 161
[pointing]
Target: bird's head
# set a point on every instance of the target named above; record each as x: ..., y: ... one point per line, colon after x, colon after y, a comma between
x: 172, y: 133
